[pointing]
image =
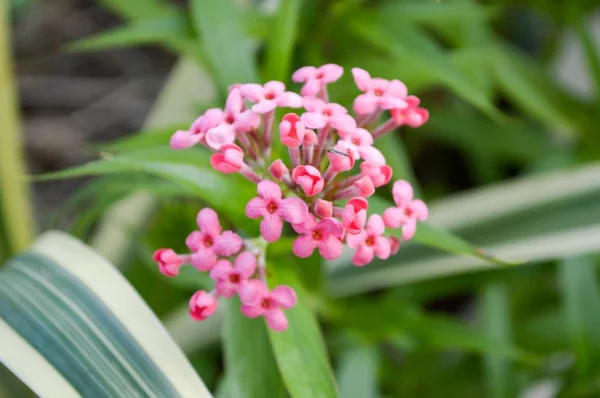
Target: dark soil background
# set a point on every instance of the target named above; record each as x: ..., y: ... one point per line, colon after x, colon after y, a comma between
x: 71, y: 101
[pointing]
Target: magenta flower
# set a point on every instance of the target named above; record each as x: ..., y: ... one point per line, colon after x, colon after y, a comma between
x: 413, y: 115
x: 325, y: 235
x: 291, y: 130
x: 309, y: 179
x: 209, y: 242
x: 321, y: 114
x: 377, y: 93
x: 202, y: 305
x: 270, y: 96
x: 407, y: 211
x: 274, y: 209
x: 354, y: 215
x: 228, y: 277
x: 257, y: 300
x: 315, y: 79
x: 169, y: 262
x: 370, y: 242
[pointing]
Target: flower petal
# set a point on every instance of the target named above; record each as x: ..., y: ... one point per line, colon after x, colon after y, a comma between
x: 304, y: 73
x: 313, y: 120
x: 343, y: 122
x: 274, y: 86
x: 330, y: 248
x: 226, y: 288
x: 331, y: 72
x: 183, y: 139
x: 371, y: 154
x: 402, y: 193
x: 357, y: 240
x: 397, y: 89
x: 331, y: 226
x: 234, y: 103
x: 289, y: 100
x: 221, y: 270
x: 365, y: 104
x: 363, y: 256
x: 252, y: 311
x: 256, y: 207
x: 276, y: 319
x: 361, y: 78
x: 268, y: 190
x: 271, y: 227
x: 204, y: 259
x: 419, y: 209
x: 245, y: 264
x: 382, y: 247
x: 252, y: 291
x: 264, y: 106
x: 252, y: 92
x: 284, y: 296
x: 408, y: 230
x: 208, y: 221
x: 293, y: 210
x: 375, y: 225
x: 227, y: 244
x: 393, y: 217
x: 304, y: 246
x: 311, y: 87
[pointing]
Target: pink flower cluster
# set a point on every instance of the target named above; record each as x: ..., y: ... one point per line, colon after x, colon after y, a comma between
x: 322, y: 190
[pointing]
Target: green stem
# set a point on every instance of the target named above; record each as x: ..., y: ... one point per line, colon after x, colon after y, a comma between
x: 15, y: 207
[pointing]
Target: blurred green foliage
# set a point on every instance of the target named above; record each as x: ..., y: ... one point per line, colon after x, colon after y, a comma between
x: 453, y: 328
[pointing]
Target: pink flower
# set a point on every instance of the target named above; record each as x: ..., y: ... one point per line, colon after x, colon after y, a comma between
x: 183, y: 139
x: 229, y: 278
x: 315, y: 79
x: 378, y: 93
x: 196, y: 133
x: 273, y: 209
x: 257, y: 301
x: 291, y: 130
x: 229, y: 159
x: 341, y: 157
x: 321, y: 114
x: 379, y: 174
x: 278, y: 170
x: 407, y: 212
x: 202, y: 305
x: 323, y: 208
x: 310, y: 137
x: 325, y: 235
x: 230, y: 121
x: 270, y: 96
x: 309, y: 179
x: 365, y: 186
x: 370, y: 242
x: 412, y: 115
x: 168, y: 261
x: 210, y: 242
x: 354, y: 215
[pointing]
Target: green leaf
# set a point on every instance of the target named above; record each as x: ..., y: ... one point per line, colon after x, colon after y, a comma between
x: 581, y: 299
x: 164, y: 29
x: 190, y: 169
x: 249, y: 363
x: 230, y: 54
x: 72, y: 326
x: 548, y: 216
x: 139, y: 9
x: 531, y: 88
x: 403, y: 41
x: 281, y: 39
x: 496, y: 315
x: 357, y: 375
x: 144, y: 139
x: 300, y: 351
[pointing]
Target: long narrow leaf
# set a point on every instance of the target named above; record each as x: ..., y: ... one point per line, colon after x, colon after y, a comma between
x: 71, y: 325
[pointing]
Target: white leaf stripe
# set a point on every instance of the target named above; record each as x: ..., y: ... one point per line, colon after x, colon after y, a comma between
x: 53, y: 289
x: 76, y: 340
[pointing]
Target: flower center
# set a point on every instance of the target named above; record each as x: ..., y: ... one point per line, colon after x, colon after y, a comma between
x: 265, y: 303
x: 208, y: 241
x: 272, y: 207
x: 326, y: 112
x: 355, y: 141
x: 408, y: 212
x: 317, y: 235
x: 370, y: 241
x: 319, y: 75
x: 229, y: 119
x: 269, y: 96
x: 378, y: 92
x: 234, y: 278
